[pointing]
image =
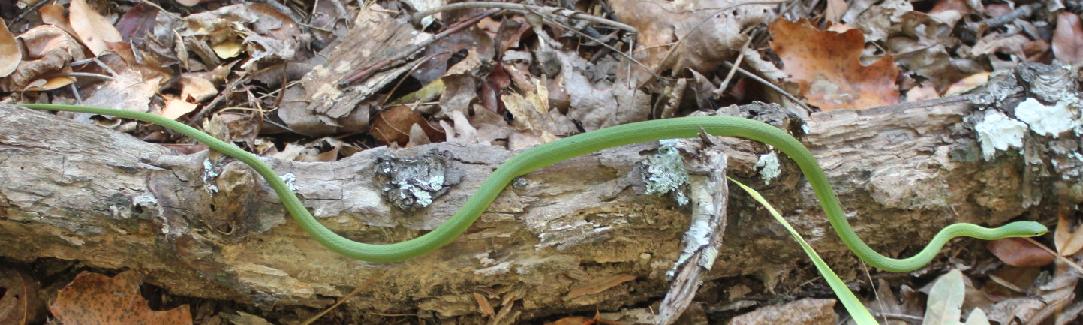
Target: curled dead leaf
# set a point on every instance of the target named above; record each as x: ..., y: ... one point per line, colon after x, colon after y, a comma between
x: 94, y: 298
x: 393, y: 125
x: 259, y: 29
x: 827, y: 67
x: 129, y: 89
x: 1068, y: 38
x: 53, y: 14
x: 19, y: 301
x: 137, y: 22
x: 176, y: 107
x: 48, y: 51
x: 1019, y: 252
x: 967, y: 84
x: 92, y: 28
x: 10, y: 54
x: 228, y: 49
x: 196, y: 89
x: 49, y: 83
x: 233, y: 125
x: 1069, y: 234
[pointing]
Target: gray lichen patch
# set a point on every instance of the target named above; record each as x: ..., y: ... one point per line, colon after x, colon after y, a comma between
x: 999, y: 132
x: 208, y: 176
x: 412, y: 183
x: 769, y: 167
x: 664, y: 172
x: 124, y: 207
x: 1047, y: 120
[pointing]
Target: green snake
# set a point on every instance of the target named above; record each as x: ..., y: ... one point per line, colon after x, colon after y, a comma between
x: 551, y: 153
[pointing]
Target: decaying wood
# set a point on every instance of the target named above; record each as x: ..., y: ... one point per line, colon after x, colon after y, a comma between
x: 709, y: 195
x: 576, y: 236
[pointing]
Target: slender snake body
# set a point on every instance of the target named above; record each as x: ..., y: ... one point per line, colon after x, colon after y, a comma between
x: 551, y: 153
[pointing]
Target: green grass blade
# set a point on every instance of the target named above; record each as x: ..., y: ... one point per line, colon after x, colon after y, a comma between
x: 856, y: 309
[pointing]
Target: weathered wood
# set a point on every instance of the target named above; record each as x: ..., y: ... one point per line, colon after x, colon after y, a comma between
x: 80, y: 192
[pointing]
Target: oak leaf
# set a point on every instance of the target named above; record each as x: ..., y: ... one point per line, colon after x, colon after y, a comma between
x: 94, y: 298
x: 827, y: 67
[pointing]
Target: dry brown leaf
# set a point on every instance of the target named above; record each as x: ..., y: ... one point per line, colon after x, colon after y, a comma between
x: 877, y: 20
x: 1008, y: 281
x: 835, y: 9
x: 323, y: 149
x: 484, y: 127
x: 923, y: 91
x: 417, y: 137
x: 49, y: 83
x: 19, y: 301
x: 596, y: 104
x: 508, y: 31
x: 10, y: 54
x: 137, y: 22
x: 951, y: 5
x: 1009, y: 310
x: 841, y: 28
x: 94, y: 298
x: 232, y: 125
x: 228, y: 49
x: 53, y: 14
x: 1019, y: 252
x: 922, y: 42
x: 262, y: 31
x: 907, y: 302
x: 196, y: 89
x: 705, y: 36
x: 1069, y: 234
x: 598, y: 285
x: 49, y: 50
x: 128, y: 90
x: 530, y: 111
x: 92, y: 28
x: 393, y: 125
x: 997, y: 43
x: 967, y: 84
x: 827, y: 67
x: 176, y: 107
x: 1068, y: 38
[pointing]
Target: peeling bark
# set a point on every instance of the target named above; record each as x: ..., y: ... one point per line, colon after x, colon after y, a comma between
x: 79, y: 192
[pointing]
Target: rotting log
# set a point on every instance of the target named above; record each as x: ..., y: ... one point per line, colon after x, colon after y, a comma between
x: 550, y: 242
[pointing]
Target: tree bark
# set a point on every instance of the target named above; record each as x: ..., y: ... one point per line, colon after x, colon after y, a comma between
x: 575, y: 236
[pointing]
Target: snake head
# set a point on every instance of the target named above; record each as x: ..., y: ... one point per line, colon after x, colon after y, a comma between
x: 1025, y: 229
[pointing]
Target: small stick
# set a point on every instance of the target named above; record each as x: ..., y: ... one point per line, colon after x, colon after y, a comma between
x: 729, y: 76
x: 210, y: 107
x: 774, y: 87
x: 88, y: 75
